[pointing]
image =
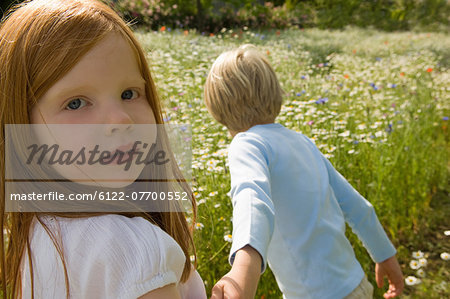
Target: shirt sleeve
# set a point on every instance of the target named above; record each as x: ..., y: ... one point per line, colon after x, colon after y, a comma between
x: 360, y: 215
x: 253, y: 210
x: 131, y: 258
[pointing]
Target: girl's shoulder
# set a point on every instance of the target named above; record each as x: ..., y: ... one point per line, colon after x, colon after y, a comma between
x: 113, y: 233
x: 131, y: 255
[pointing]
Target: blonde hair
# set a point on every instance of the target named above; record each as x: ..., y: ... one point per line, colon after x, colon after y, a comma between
x: 41, y: 41
x: 242, y: 90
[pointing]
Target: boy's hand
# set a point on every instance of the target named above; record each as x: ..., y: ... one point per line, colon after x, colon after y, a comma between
x: 242, y: 280
x: 391, y: 269
x: 228, y: 287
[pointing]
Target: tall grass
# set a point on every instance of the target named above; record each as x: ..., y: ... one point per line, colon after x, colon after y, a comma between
x: 375, y: 103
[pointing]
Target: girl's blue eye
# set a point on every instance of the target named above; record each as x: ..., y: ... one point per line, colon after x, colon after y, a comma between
x: 75, y: 104
x: 129, y: 94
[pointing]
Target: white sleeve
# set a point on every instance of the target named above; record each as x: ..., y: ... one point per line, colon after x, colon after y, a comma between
x: 253, y: 209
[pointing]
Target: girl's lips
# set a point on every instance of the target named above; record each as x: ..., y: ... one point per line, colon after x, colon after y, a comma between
x: 125, y: 148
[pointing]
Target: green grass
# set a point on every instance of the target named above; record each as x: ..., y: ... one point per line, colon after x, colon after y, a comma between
x: 383, y: 127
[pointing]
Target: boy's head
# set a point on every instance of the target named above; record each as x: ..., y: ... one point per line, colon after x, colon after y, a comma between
x: 242, y: 89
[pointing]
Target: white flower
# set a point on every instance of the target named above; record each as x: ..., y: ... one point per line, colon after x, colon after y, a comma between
x: 423, y: 262
x: 447, y: 233
x: 217, y: 205
x: 378, y: 134
x: 344, y: 134
x: 199, y: 225
x: 211, y: 163
x: 214, y: 193
x: 361, y: 127
x: 218, y: 169
x: 420, y: 273
x: 412, y: 280
x: 228, y: 238
x: 414, y: 264
x: 192, y: 257
x: 417, y: 254
x: 445, y: 256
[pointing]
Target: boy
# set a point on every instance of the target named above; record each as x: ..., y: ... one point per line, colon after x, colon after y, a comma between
x: 289, y: 203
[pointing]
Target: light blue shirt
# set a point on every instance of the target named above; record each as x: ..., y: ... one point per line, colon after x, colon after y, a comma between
x: 291, y: 205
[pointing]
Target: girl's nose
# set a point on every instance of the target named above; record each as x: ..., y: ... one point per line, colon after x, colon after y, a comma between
x: 117, y: 119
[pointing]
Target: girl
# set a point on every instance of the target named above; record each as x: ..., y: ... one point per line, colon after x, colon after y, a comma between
x: 77, y: 62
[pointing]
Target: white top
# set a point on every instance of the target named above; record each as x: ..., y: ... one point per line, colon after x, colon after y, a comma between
x: 108, y: 256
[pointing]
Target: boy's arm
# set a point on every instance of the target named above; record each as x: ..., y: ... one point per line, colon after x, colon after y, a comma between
x: 253, y: 217
x: 253, y: 210
x: 360, y: 215
x: 242, y: 280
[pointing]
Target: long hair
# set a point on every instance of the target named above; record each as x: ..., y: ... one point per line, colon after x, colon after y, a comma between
x: 41, y: 41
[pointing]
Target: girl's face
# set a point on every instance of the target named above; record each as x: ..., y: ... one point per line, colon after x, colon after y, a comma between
x: 100, y: 101
x: 104, y: 87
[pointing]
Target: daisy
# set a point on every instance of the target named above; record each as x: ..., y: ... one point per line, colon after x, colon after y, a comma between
x: 228, y: 238
x: 423, y: 262
x: 412, y: 280
x: 420, y: 273
x: 417, y: 254
x: 414, y: 264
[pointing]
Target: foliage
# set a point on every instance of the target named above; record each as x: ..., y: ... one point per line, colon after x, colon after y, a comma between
x: 153, y: 13
x: 213, y: 15
x: 383, y: 14
x: 266, y: 16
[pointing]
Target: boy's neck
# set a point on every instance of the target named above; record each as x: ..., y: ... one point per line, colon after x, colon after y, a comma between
x: 233, y: 133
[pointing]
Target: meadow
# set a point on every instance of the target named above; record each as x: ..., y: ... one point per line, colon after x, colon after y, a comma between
x: 376, y: 104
